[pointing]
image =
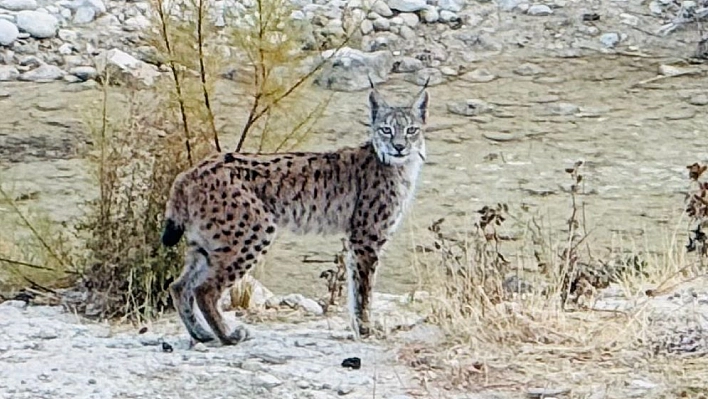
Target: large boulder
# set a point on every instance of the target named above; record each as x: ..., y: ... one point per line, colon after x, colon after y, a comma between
x: 349, y: 69
x: 123, y: 67
x: 39, y: 25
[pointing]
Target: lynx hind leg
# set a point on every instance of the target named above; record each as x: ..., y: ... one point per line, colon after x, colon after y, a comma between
x: 182, y: 294
x: 236, y: 248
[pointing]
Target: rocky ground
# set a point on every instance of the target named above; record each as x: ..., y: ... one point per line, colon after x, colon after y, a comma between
x: 48, y: 353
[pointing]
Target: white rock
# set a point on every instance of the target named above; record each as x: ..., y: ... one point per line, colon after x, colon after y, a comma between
x: 451, y: 5
x: 656, y: 8
x: 351, y: 69
x: 97, y: 5
x: 431, y: 76
x: 447, y: 16
x: 430, y: 15
x: 18, y: 5
x: 43, y: 73
x: 407, y: 5
x: 259, y: 295
x: 642, y: 384
x: 407, y: 32
x: 407, y: 64
x: 629, y: 19
x: 297, y: 15
x: 67, y: 35
x: 84, y: 72
x: 39, y: 25
x: 367, y: 27
x: 382, y: 24
x: 409, y: 19
x: 122, y: 63
x: 8, y: 32
x: 267, y: 381
x: 508, y: 5
x: 610, y: 40
x: 539, y: 10
x: 381, y: 8
x: 529, y: 69
x: 448, y: 71
x: 8, y: 72
x: 66, y: 49
x: 306, y: 304
x: 84, y: 15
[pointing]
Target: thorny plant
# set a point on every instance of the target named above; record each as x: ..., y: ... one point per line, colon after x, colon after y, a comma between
x: 569, y: 257
x: 697, y: 210
x: 475, y: 258
x: 336, y: 278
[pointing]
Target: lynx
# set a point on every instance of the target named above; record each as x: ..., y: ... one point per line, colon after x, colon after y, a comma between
x: 230, y: 206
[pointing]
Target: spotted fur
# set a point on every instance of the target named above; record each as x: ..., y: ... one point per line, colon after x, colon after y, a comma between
x: 230, y: 206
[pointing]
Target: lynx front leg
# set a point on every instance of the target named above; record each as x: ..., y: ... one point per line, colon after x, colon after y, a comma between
x: 361, y: 273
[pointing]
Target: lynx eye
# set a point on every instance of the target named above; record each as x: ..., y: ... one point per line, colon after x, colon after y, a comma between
x: 386, y: 130
x: 412, y: 130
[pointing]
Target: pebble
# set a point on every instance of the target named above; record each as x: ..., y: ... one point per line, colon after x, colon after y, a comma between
x: 451, y: 5
x: 84, y: 15
x: 470, y: 107
x: 366, y: 27
x: 382, y: 24
x: 8, y: 32
x: 480, y: 75
x: 539, y: 10
x: 407, y: 32
x: 430, y: 14
x: 407, y: 5
x: 698, y: 99
x: 267, y: 381
x: 382, y: 9
x: 432, y: 76
x: 407, y: 64
x: 448, y: 16
x: 561, y: 108
x: 18, y: 5
x: 529, y: 69
x: 43, y: 73
x: 508, y: 5
x: 409, y: 19
x: 8, y: 73
x: 610, y: 40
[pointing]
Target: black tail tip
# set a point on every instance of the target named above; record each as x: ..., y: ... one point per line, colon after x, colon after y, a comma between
x: 172, y: 233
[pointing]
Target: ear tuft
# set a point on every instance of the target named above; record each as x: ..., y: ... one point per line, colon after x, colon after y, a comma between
x: 376, y: 102
x: 420, y: 105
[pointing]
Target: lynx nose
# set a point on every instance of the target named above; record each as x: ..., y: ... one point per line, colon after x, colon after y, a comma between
x: 399, y: 147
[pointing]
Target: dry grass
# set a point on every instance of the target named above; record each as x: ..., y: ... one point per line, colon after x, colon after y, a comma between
x: 509, y: 327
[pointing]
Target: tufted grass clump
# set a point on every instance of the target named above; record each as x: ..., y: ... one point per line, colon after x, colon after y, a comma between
x: 524, y: 308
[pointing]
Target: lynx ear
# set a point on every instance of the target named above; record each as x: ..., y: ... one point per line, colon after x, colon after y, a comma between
x: 420, y: 105
x: 376, y: 102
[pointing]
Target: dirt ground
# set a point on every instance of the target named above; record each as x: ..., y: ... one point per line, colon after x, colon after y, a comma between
x: 635, y: 139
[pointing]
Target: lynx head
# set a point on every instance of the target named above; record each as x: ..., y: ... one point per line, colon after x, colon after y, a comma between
x: 397, y: 132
